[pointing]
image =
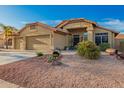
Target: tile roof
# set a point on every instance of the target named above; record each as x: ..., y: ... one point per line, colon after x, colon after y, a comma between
x: 59, y: 30
x: 107, y: 29
x: 120, y: 36
x: 64, y: 22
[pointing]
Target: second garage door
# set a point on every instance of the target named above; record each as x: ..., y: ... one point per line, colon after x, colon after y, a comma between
x: 40, y: 42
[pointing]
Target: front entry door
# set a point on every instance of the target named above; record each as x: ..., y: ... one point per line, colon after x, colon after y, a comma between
x: 76, y: 39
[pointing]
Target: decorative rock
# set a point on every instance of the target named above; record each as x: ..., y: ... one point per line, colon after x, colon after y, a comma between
x: 55, y: 63
x: 111, y: 51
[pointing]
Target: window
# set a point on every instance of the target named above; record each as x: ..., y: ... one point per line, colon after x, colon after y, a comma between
x: 101, y: 38
x: 32, y: 27
x: 85, y: 36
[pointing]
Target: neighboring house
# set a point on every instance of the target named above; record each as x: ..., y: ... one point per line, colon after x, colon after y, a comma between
x: 119, y: 42
x: 7, y: 40
x: 39, y: 36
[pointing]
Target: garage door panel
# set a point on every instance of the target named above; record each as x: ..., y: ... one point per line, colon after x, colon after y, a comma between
x: 38, y: 42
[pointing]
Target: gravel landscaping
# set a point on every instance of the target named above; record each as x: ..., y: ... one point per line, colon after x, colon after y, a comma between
x: 74, y: 72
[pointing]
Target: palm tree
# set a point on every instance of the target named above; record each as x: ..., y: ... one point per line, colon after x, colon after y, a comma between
x: 8, y: 32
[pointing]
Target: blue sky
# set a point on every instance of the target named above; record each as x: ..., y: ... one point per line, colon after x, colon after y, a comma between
x: 109, y: 16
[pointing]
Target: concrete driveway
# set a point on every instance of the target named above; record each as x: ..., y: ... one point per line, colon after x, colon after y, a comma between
x: 9, y: 57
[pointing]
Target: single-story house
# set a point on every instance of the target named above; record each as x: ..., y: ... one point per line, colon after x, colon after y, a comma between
x: 119, y: 42
x: 7, y: 40
x: 39, y: 36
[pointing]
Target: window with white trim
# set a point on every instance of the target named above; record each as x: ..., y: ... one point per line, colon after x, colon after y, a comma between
x: 101, y: 38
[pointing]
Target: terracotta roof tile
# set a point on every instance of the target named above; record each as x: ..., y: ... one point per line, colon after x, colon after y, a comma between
x: 47, y: 27
x: 120, y: 36
x: 107, y: 29
x: 74, y: 20
x: 63, y: 23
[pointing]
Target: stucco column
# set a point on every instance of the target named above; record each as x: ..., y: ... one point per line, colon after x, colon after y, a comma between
x: 24, y: 43
x: 90, y: 35
x: 51, y: 41
x: 90, y: 31
x: 110, y: 39
x: 13, y: 43
x: 113, y: 40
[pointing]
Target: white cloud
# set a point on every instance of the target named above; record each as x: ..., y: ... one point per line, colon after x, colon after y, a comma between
x: 115, y: 24
x: 51, y: 22
x: 1, y: 29
x: 24, y: 22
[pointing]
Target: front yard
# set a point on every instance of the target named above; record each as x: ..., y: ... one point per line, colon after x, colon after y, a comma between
x: 75, y: 72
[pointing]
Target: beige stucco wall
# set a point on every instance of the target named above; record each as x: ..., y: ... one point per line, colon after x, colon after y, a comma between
x: 60, y: 41
x: 38, y: 31
x: 1, y: 40
x: 119, y: 44
x: 111, y: 36
x: 16, y: 44
x: 1, y: 43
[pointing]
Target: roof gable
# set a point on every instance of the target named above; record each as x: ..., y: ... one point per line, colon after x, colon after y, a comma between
x: 60, y: 31
x: 65, y: 22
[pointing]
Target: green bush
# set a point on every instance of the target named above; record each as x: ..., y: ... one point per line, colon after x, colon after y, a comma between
x: 51, y: 59
x: 104, y: 46
x: 39, y: 54
x: 88, y: 49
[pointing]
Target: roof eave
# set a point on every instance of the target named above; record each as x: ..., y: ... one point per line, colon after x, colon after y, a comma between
x: 108, y: 29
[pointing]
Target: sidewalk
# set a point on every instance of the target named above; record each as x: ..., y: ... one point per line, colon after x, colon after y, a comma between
x: 5, y: 84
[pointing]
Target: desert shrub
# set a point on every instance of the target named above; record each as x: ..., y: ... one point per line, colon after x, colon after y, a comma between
x: 54, y: 56
x: 81, y: 48
x: 39, y: 54
x: 51, y: 59
x: 104, y: 46
x: 88, y: 49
